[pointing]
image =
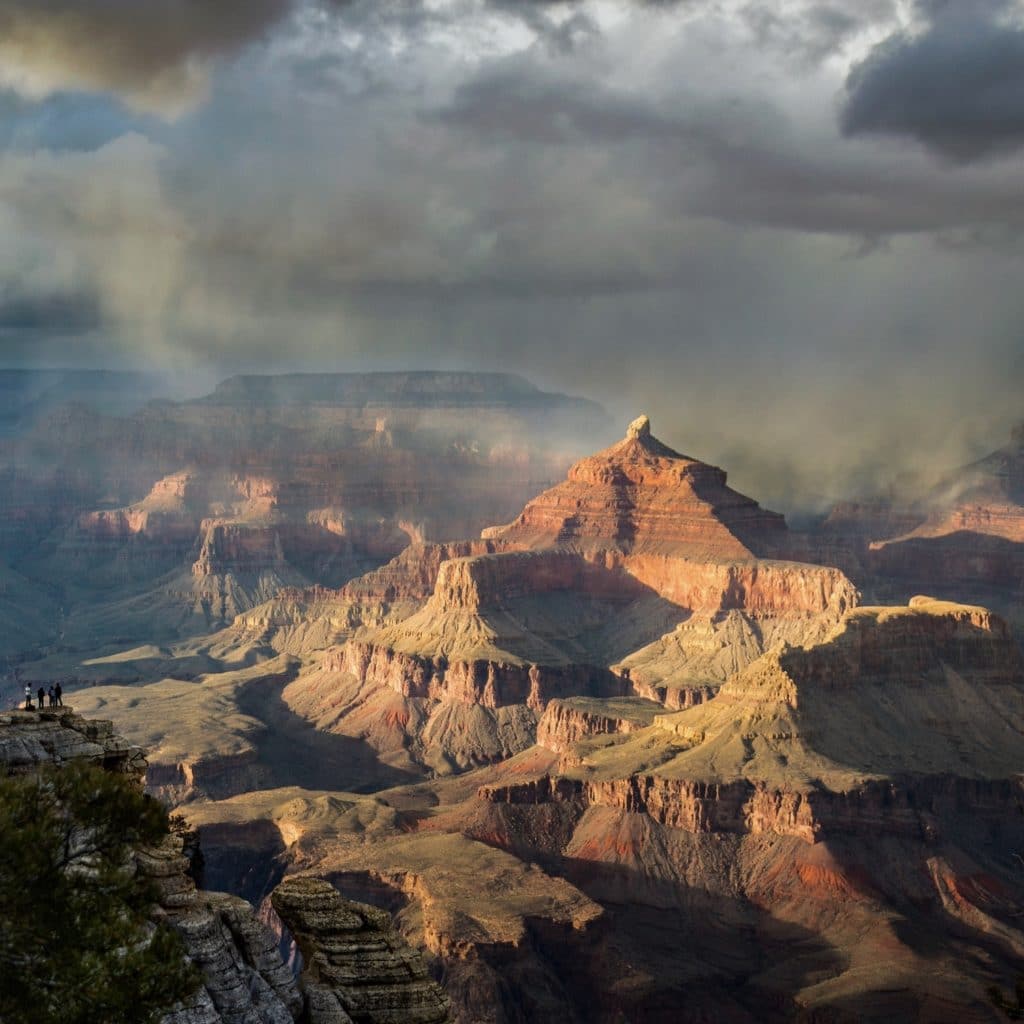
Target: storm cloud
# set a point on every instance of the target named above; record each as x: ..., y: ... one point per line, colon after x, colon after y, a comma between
x: 957, y: 87
x: 660, y: 205
x: 155, y: 54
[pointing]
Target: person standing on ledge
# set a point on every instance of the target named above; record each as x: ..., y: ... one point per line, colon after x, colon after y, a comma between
x: 58, y: 692
x: 28, y: 697
x: 53, y: 697
x: 41, y: 694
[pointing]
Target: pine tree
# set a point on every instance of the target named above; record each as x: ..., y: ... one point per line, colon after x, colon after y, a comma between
x: 77, y: 941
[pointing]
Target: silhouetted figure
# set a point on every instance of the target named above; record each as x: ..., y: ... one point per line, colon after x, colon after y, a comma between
x: 53, y: 698
x: 42, y: 698
x: 58, y: 693
x: 28, y: 697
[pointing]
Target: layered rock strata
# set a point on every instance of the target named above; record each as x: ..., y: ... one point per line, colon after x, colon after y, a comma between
x: 900, y: 714
x: 572, y: 599
x: 245, y: 981
x: 566, y: 722
x: 640, y: 495
x: 57, y: 735
x: 356, y: 968
x: 483, y: 683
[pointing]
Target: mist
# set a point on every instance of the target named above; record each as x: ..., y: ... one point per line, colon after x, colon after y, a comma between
x: 691, y: 210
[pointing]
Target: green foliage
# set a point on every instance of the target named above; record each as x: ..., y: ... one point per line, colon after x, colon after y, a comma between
x: 77, y: 945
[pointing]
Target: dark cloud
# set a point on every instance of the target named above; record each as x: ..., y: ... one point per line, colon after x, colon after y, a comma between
x: 153, y: 53
x: 73, y: 313
x: 957, y: 87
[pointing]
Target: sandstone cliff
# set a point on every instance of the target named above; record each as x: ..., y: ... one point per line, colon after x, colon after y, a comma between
x: 641, y: 496
x: 355, y: 965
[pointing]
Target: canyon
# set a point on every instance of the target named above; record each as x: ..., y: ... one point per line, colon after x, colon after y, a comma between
x: 641, y: 753
x: 963, y: 538
x: 243, y: 975
x: 165, y: 519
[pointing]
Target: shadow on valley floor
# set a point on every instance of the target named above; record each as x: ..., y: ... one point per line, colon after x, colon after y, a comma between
x: 293, y: 752
x: 695, y: 959
x: 247, y: 860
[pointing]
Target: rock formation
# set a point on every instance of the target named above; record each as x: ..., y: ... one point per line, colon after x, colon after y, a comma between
x: 623, y: 758
x: 899, y: 736
x: 355, y: 967
x: 354, y: 960
x: 56, y: 735
x: 930, y: 690
x: 573, y: 599
x: 833, y: 836
x: 176, y: 516
x: 566, y: 722
x: 963, y: 538
x: 640, y: 496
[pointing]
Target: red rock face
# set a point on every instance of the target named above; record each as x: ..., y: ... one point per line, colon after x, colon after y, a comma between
x: 761, y: 588
x: 640, y: 496
x: 639, y: 539
x: 480, y: 682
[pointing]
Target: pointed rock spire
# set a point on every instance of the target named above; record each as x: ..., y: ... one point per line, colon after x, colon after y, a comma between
x: 640, y: 428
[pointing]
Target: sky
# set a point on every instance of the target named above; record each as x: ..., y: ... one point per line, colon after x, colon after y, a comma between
x: 789, y: 231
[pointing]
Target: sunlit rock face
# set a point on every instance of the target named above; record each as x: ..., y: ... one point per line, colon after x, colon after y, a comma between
x: 834, y: 785
x: 831, y: 834
x: 641, y: 497
x: 629, y: 577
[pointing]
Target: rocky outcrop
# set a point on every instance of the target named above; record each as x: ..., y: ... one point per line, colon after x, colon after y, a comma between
x: 641, y: 496
x: 234, y: 547
x: 360, y: 964
x: 566, y: 722
x: 356, y: 968
x: 244, y: 977
x: 905, y: 808
x: 486, y: 683
x: 412, y: 576
x: 57, y: 735
x: 875, y: 646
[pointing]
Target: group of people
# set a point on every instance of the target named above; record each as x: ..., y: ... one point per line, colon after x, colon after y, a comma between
x: 55, y: 695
